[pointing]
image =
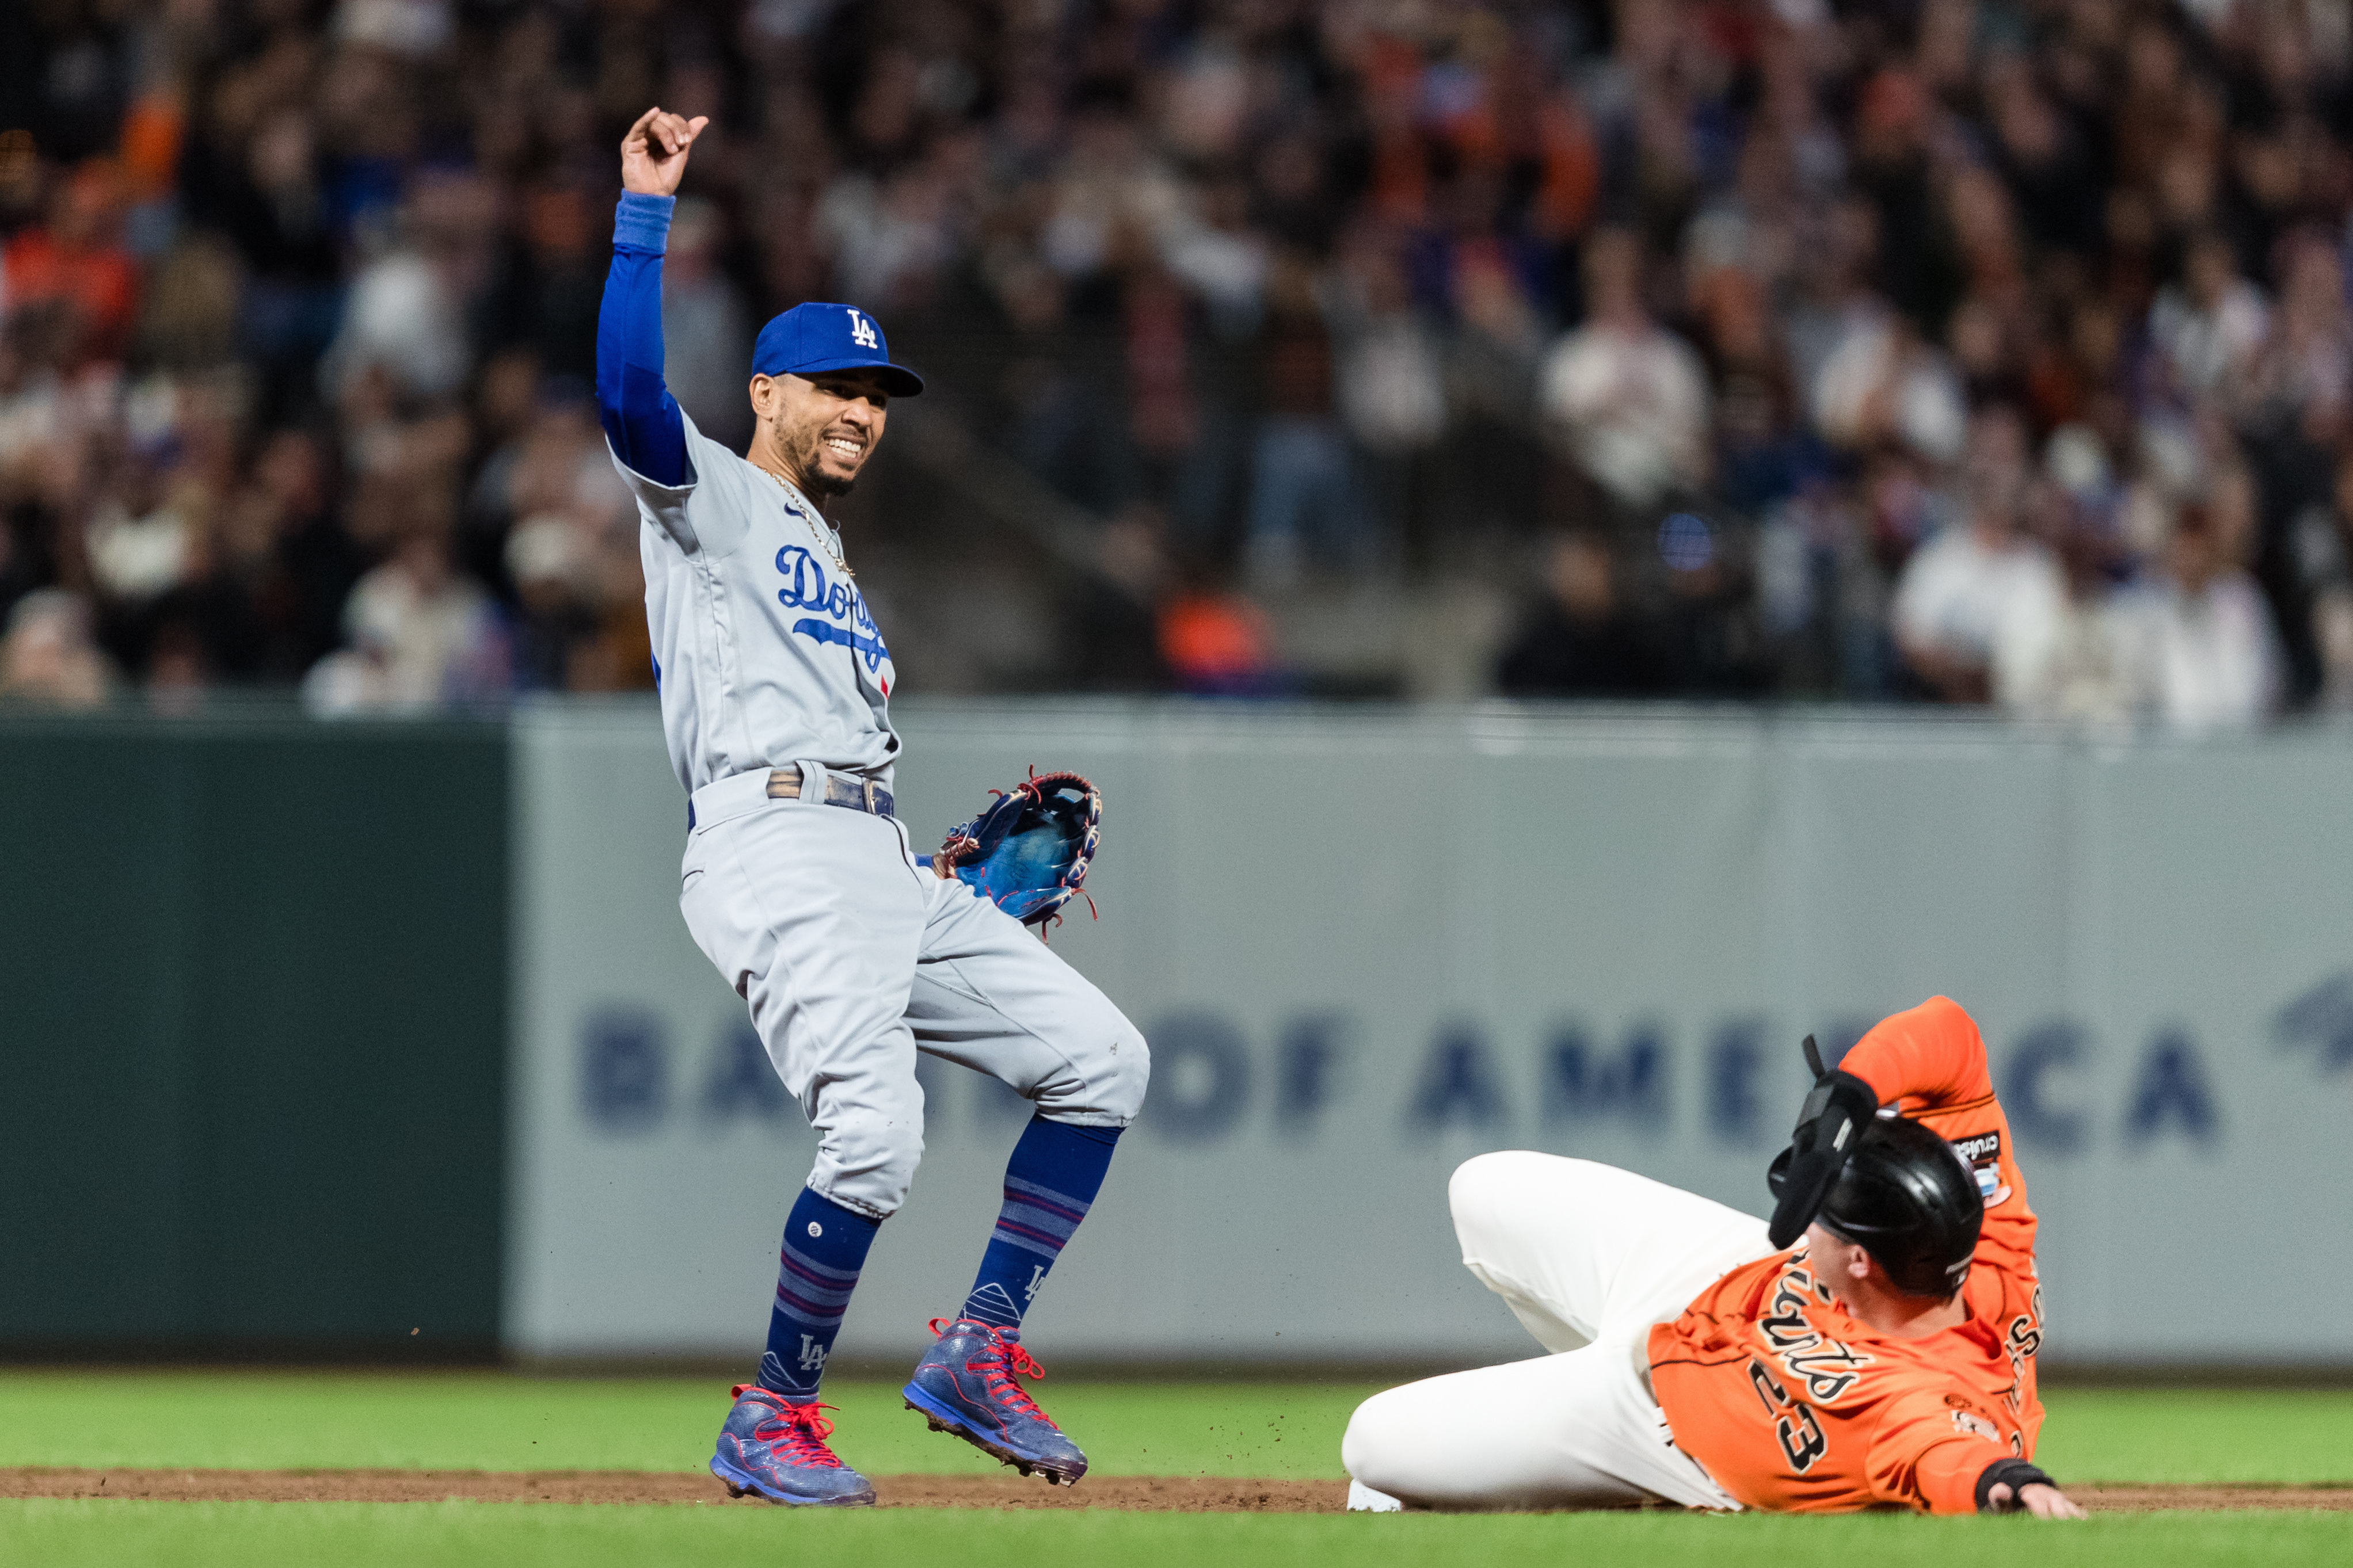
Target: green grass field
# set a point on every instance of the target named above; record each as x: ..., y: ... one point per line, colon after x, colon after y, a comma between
x: 491, y: 1420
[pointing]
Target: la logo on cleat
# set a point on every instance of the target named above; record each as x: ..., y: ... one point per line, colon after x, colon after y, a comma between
x: 812, y: 1355
x: 1037, y: 1277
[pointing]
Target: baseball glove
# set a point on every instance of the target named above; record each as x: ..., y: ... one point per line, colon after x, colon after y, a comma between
x: 1836, y: 1110
x: 1029, y: 853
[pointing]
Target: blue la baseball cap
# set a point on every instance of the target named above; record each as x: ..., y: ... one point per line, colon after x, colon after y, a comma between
x: 811, y: 339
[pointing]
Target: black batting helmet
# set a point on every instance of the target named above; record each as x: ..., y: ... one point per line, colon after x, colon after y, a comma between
x: 1906, y: 1198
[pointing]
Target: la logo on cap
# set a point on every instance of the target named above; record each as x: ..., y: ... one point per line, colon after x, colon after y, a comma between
x: 808, y: 340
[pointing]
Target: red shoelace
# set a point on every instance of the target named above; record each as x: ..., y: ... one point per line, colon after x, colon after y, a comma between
x: 997, y: 1364
x: 799, y: 1428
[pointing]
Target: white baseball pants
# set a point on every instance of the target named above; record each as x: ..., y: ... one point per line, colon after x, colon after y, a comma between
x: 1587, y: 1257
x: 853, y: 958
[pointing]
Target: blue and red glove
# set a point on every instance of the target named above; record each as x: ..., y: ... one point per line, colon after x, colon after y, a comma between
x: 1029, y: 853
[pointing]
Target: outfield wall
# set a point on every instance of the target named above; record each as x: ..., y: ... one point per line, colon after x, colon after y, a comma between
x: 1365, y: 946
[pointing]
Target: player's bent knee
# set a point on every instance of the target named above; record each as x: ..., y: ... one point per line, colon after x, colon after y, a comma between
x: 1354, y: 1444
x: 1130, y: 1077
x: 1505, y: 1186
x: 895, y: 1179
x: 1104, y: 1088
x: 872, y: 1172
x: 1376, y: 1448
x: 1488, y: 1184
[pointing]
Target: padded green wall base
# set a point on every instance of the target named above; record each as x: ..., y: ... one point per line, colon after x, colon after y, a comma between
x: 252, y: 1036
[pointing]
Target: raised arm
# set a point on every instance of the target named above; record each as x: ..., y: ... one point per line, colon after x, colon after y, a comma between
x: 1931, y: 1060
x: 1930, y: 1057
x: 640, y: 417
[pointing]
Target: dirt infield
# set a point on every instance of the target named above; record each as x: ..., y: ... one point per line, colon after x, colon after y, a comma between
x: 2187, y: 1499
x: 1148, y: 1494
x: 1131, y: 1493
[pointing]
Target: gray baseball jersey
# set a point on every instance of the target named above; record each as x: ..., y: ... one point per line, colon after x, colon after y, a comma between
x: 764, y: 649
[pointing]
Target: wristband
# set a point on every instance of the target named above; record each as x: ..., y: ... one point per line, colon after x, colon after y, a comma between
x: 2017, y: 1474
x: 642, y: 222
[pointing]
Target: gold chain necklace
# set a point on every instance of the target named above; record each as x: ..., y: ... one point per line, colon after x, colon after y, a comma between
x: 817, y: 528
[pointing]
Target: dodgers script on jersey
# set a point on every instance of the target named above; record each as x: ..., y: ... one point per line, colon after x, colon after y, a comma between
x: 764, y: 652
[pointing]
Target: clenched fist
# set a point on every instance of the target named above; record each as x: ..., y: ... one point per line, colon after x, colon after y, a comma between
x: 653, y: 154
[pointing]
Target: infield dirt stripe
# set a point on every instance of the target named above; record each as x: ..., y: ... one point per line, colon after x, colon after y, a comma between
x: 1131, y: 1493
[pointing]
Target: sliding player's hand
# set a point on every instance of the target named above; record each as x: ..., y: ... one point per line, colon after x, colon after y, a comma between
x: 2034, y: 1497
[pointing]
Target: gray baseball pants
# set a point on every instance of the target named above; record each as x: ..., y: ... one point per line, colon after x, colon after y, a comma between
x: 853, y: 958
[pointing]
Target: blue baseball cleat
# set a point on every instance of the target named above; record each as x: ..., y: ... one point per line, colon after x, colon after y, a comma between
x: 967, y: 1384
x: 775, y: 1448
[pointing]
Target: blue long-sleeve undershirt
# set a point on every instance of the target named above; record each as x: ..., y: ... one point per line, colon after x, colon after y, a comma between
x: 640, y: 417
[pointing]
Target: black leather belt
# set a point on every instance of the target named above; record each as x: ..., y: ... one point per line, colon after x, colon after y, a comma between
x: 857, y: 794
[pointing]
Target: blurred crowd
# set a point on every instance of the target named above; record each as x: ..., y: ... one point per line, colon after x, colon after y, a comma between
x: 1956, y: 350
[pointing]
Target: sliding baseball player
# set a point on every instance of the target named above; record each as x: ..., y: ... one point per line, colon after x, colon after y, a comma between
x: 1886, y: 1359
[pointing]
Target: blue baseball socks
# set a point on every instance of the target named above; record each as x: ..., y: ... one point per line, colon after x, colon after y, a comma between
x: 1049, y: 1183
x: 825, y: 1247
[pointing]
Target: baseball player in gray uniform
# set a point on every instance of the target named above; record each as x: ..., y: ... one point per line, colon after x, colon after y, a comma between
x: 801, y: 886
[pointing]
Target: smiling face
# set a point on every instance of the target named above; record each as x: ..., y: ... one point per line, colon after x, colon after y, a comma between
x: 819, y: 430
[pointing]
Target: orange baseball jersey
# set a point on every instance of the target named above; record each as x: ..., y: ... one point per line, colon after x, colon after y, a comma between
x: 1792, y: 1404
